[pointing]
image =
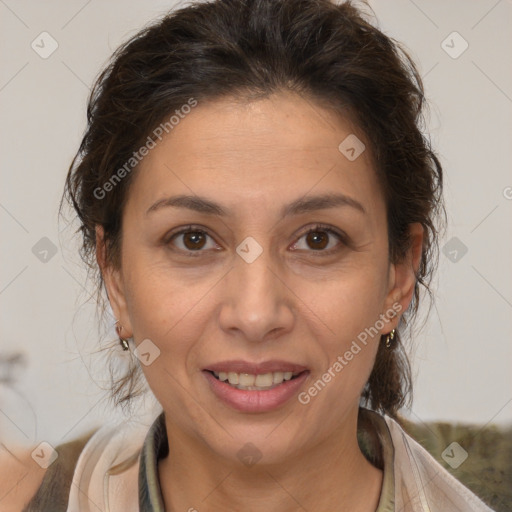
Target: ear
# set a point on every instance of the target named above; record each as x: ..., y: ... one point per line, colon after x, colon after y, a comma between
x: 114, y: 284
x: 402, y: 276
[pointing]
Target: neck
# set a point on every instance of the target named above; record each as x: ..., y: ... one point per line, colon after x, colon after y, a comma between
x: 331, y: 475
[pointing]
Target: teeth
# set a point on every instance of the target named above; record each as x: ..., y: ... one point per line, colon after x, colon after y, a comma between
x: 246, y: 379
x: 264, y: 381
x: 278, y: 377
x: 253, y: 382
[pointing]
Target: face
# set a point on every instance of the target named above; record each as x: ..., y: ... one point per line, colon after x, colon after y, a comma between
x: 276, y: 262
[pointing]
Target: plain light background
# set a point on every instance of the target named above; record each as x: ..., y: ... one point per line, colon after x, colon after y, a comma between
x: 462, y: 357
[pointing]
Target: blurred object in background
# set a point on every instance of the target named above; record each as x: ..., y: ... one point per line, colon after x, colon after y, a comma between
x: 18, y: 423
x: 11, y: 366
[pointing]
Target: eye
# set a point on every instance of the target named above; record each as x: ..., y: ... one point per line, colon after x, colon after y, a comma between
x: 319, y: 238
x: 191, y: 239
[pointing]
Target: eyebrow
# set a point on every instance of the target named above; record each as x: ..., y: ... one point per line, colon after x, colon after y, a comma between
x: 301, y: 205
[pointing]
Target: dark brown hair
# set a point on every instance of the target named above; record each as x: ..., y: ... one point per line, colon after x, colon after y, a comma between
x: 250, y: 49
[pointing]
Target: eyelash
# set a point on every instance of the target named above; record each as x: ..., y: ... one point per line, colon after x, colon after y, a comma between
x: 342, y: 237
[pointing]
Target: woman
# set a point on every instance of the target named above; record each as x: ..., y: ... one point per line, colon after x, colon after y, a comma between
x: 262, y: 207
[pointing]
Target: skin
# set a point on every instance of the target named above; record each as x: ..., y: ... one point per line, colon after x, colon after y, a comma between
x: 291, y: 303
x: 20, y: 477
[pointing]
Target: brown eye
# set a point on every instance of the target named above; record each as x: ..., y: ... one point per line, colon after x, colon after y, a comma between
x: 320, y: 239
x: 191, y: 240
x: 194, y: 239
x: 317, y: 239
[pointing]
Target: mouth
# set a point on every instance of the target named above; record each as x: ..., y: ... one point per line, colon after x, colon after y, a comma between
x: 255, y: 388
x: 255, y: 382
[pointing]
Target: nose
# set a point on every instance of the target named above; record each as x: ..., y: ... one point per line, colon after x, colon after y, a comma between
x: 257, y: 305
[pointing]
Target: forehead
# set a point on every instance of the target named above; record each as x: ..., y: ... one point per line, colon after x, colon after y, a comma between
x: 266, y: 149
x: 281, y: 123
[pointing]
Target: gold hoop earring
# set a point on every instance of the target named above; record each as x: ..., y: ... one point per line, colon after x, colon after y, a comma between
x: 123, y: 341
x: 389, y: 343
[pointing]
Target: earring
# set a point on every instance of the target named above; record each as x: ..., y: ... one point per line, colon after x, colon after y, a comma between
x: 389, y: 339
x: 122, y: 341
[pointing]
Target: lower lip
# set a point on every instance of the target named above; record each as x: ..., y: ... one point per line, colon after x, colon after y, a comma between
x: 255, y: 401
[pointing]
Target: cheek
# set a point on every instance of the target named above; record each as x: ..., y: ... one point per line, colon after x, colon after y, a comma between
x: 350, y: 302
x: 348, y: 352
x: 162, y: 308
x: 172, y: 309
x: 165, y: 310
x: 347, y: 331
x: 159, y: 296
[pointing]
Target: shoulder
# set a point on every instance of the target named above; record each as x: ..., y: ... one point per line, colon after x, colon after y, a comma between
x: 424, y: 481
x: 20, y: 478
x: 26, y: 486
x: 109, y: 466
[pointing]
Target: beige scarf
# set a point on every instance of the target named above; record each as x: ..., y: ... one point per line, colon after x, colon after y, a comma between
x: 106, y: 475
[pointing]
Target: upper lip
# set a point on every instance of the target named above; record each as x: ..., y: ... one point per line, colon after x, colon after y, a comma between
x: 240, y: 366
